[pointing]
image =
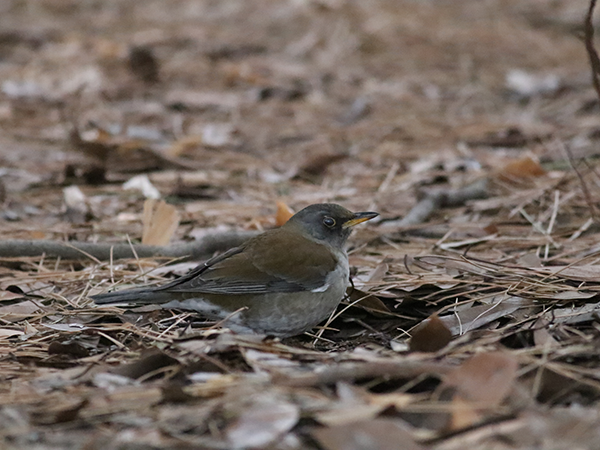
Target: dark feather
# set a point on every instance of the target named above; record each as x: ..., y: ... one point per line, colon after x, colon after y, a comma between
x: 258, y: 267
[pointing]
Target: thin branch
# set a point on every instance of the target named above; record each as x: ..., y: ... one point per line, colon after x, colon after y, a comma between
x: 77, y: 251
x: 438, y: 199
x: 584, y: 187
x: 359, y: 371
x: 591, y: 50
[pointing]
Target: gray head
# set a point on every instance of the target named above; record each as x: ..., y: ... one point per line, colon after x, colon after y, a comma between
x: 328, y: 222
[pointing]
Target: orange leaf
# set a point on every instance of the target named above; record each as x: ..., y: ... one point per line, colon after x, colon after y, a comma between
x: 284, y: 212
x: 525, y: 167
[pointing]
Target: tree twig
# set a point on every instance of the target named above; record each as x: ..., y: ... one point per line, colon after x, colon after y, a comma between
x: 361, y: 371
x: 584, y: 187
x: 435, y: 200
x: 73, y: 250
x: 591, y: 50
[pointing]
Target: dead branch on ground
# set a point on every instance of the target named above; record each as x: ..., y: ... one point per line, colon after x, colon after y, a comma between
x: 77, y: 251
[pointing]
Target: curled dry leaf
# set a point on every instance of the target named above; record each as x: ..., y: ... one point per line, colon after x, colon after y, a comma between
x: 469, y: 318
x: 367, y: 301
x: 430, y: 335
x: 284, y: 212
x: 525, y: 167
x: 6, y: 333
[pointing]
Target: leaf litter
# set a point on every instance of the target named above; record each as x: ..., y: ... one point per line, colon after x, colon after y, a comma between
x: 473, y: 321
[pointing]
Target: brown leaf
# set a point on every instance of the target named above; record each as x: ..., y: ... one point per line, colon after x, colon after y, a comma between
x: 430, y: 335
x: 485, y: 378
x: 542, y: 335
x: 492, y: 228
x: 367, y: 301
x: 371, y: 303
x: 184, y: 145
x: 18, y: 311
x: 318, y: 165
x: 481, y: 384
x: 376, y: 434
x: 65, y: 411
x: 508, y: 137
x: 70, y: 348
x: 589, y: 273
x: 471, y: 318
x: 145, y: 365
x: 160, y: 220
x: 8, y: 295
x: 262, y: 422
x: 143, y: 64
x: 379, y: 272
x: 525, y: 167
x: 463, y: 414
x: 98, y: 148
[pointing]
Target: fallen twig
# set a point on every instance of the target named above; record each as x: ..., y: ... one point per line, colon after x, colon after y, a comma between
x: 435, y: 200
x: 196, y: 250
x: 360, y: 371
x: 591, y: 50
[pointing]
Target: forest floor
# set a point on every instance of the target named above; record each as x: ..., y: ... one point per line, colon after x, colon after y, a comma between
x: 472, y: 128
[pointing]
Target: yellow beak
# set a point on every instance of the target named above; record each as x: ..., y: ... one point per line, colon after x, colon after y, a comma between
x: 359, y: 217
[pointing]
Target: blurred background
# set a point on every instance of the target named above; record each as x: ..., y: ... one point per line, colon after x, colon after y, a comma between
x: 304, y: 100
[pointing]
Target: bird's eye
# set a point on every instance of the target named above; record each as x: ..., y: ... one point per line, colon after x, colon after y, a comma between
x: 329, y: 222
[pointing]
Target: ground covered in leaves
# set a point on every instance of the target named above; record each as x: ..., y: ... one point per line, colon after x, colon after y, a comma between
x: 137, y: 133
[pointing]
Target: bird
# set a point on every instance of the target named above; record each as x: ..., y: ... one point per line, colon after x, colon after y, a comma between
x: 280, y: 283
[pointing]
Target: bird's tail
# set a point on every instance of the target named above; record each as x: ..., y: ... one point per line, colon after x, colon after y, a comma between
x: 136, y: 296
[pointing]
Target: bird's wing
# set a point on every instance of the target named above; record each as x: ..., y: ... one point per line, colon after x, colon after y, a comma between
x: 259, y: 268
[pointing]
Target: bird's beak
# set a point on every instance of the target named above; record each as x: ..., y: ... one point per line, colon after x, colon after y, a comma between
x: 359, y: 217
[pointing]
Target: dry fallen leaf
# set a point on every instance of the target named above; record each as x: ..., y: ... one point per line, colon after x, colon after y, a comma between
x: 376, y: 434
x: 430, y: 335
x: 284, y: 212
x: 469, y: 318
x: 318, y: 164
x: 6, y: 333
x: 525, y: 167
x: 184, y: 145
x: 144, y: 64
x: 262, y: 422
x: 160, y: 220
x: 481, y: 384
x: 367, y: 301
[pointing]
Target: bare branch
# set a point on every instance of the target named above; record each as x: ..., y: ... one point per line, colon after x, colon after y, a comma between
x: 591, y: 50
x: 196, y: 250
